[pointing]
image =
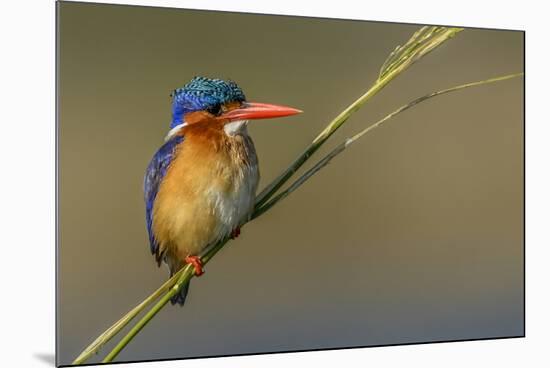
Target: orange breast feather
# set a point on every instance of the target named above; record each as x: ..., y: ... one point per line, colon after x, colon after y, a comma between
x: 199, y: 198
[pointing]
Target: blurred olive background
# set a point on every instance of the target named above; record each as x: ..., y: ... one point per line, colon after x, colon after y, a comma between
x: 414, y: 234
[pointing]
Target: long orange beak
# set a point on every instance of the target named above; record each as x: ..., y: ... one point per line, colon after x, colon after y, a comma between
x: 256, y: 110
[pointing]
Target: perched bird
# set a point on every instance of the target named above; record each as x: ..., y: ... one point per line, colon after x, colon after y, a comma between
x: 201, y: 184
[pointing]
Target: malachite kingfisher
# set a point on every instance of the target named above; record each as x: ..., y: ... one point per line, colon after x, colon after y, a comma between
x: 201, y: 184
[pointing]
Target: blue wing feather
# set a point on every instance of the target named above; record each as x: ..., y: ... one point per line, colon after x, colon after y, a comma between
x: 153, y: 177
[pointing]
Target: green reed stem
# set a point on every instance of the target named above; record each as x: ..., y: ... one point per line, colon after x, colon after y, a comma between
x: 184, y: 277
x: 119, y: 325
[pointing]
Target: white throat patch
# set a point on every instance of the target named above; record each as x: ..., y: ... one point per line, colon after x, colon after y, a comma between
x: 236, y: 127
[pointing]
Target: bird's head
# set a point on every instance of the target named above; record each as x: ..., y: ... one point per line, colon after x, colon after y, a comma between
x: 204, y: 100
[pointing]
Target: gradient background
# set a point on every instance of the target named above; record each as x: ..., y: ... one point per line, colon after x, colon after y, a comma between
x: 415, y: 234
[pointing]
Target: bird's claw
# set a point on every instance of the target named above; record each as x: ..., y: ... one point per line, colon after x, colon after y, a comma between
x: 197, y: 264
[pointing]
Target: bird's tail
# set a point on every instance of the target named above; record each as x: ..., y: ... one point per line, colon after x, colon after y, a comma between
x: 175, y: 265
x: 179, y: 298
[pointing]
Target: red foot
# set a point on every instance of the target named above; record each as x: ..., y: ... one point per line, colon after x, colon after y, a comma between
x: 236, y: 232
x: 196, y: 262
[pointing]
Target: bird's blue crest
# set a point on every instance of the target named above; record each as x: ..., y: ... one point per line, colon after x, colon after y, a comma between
x: 203, y: 93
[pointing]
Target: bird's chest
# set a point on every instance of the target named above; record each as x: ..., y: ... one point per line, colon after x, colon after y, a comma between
x: 231, y: 197
x: 209, y: 189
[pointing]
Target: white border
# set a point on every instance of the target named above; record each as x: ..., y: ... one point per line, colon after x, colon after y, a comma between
x: 27, y: 182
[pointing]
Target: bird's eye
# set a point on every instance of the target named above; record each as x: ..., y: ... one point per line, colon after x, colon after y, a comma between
x: 216, y: 110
